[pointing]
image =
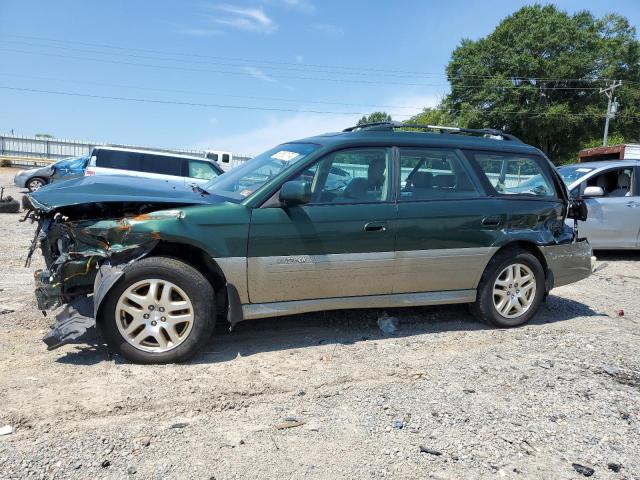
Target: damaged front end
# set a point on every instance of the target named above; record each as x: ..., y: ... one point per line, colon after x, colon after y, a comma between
x: 85, y: 248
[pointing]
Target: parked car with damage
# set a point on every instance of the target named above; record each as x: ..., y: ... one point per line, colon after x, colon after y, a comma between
x: 65, y: 169
x: 172, y: 168
x: 370, y: 217
x: 611, y: 192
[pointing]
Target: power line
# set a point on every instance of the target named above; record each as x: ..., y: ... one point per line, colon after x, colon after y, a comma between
x: 248, y: 107
x: 284, y: 77
x: 177, y: 102
x: 214, y: 94
x: 356, y: 70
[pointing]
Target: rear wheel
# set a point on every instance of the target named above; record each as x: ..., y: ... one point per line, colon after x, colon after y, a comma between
x: 160, y: 311
x: 511, y: 289
x: 36, y: 183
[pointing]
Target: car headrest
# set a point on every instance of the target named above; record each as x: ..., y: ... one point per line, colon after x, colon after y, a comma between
x: 422, y: 179
x: 357, y: 188
x: 603, y: 182
x: 624, y: 181
x: 444, y: 181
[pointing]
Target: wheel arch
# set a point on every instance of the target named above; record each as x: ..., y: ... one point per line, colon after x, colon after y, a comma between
x: 198, y: 259
x: 533, y: 249
x: 44, y: 180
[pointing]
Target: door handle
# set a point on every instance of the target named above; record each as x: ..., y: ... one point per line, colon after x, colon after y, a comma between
x: 375, y: 227
x: 493, y: 221
x: 633, y: 204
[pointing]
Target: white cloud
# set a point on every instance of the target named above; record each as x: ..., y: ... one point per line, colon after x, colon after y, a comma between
x: 299, y: 58
x: 279, y: 129
x: 305, y: 6
x: 245, y: 18
x: 259, y: 74
x: 199, y: 32
x: 328, y: 30
x: 405, y: 106
x: 287, y: 127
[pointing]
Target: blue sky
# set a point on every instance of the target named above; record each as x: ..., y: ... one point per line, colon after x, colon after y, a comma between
x: 336, y: 57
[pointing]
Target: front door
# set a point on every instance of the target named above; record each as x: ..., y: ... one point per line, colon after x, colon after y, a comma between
x: 340, y: 244
x: 614, y: 219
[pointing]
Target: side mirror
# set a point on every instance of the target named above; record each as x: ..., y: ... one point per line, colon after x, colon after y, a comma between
x: 593, y: 192
x: 295, y: 193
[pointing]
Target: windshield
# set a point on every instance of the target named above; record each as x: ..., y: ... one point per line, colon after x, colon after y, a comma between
x: 242, y: 181
x: 571, y: 173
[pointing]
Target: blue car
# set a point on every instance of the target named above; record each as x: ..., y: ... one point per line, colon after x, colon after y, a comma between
x: 65, y: 169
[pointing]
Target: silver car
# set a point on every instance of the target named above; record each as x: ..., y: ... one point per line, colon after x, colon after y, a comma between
x: 34, y: 178
x: 611, y: 190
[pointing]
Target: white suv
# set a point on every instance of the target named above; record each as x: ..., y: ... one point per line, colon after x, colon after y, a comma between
x: 173, y: 168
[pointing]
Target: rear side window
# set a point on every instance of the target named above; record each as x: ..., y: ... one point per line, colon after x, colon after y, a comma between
x: 427, y: 173
x: 118, y: 159
x: 201, y: 170
x: 212, y: 156
x: 514, y: 174
x: 162, y: 164
x: 225, y: 158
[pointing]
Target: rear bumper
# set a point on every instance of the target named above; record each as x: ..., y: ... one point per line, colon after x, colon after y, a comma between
x: 568, y: 263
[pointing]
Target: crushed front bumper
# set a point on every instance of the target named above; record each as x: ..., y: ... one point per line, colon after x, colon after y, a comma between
x: 568, y: 263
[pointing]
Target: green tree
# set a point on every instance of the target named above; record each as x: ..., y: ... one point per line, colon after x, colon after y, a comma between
x: 375, y: 117
x: 439, y: 115
x: 538, y: 73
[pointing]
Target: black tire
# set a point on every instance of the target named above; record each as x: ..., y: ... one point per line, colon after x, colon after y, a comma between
x: 484, y: 308
x: 187, y: 278
x: 11, y: 206
x: 36, y: 183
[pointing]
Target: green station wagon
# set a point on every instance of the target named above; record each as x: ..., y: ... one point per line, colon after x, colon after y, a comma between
x: 375, y: 216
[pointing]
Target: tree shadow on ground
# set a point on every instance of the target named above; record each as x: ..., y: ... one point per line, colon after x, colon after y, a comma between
x: 332, y: 328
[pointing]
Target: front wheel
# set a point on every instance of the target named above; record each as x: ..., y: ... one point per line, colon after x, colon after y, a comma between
x: 36, y: 184
x: 160, y: 311
x: 511, y: 289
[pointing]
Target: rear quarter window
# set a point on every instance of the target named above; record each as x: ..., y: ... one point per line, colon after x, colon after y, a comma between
x: 514, y: 174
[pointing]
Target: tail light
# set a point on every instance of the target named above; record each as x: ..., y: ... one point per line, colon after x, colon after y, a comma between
x: 88, y: 172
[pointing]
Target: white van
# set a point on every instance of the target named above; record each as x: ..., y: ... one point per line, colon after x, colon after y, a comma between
x: 173, y: 168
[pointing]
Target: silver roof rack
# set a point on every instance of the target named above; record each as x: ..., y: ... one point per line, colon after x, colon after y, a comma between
x: 390, y: 126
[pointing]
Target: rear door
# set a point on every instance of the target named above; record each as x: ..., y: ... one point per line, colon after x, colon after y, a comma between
x: 163, y: 167
x: 456, y: 209
x: 446, y: 224
x: 614, y: 219
x: 340, y: 244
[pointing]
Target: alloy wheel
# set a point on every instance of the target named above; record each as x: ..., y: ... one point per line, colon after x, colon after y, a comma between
x: 36, y: 184
x: 154, y: 315
x: 514, y: 290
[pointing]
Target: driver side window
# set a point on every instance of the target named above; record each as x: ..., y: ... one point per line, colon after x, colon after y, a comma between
x: 617, y: 182
x: 358, y: 175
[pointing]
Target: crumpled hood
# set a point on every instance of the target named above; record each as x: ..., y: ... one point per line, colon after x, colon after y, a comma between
x: 116, y: 188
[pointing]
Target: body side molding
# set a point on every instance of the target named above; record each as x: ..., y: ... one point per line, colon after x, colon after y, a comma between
x: 264, y: 310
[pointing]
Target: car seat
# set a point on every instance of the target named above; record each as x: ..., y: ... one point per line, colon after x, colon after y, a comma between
x: 624, y: 186
x: 356, y: 190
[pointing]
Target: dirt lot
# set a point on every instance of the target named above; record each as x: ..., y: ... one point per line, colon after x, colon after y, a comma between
x: 480, y: 402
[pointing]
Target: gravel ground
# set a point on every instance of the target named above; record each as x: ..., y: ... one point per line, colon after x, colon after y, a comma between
x: 330, y: 396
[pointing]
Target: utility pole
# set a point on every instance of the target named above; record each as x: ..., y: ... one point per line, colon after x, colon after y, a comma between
x: 612, y: 107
